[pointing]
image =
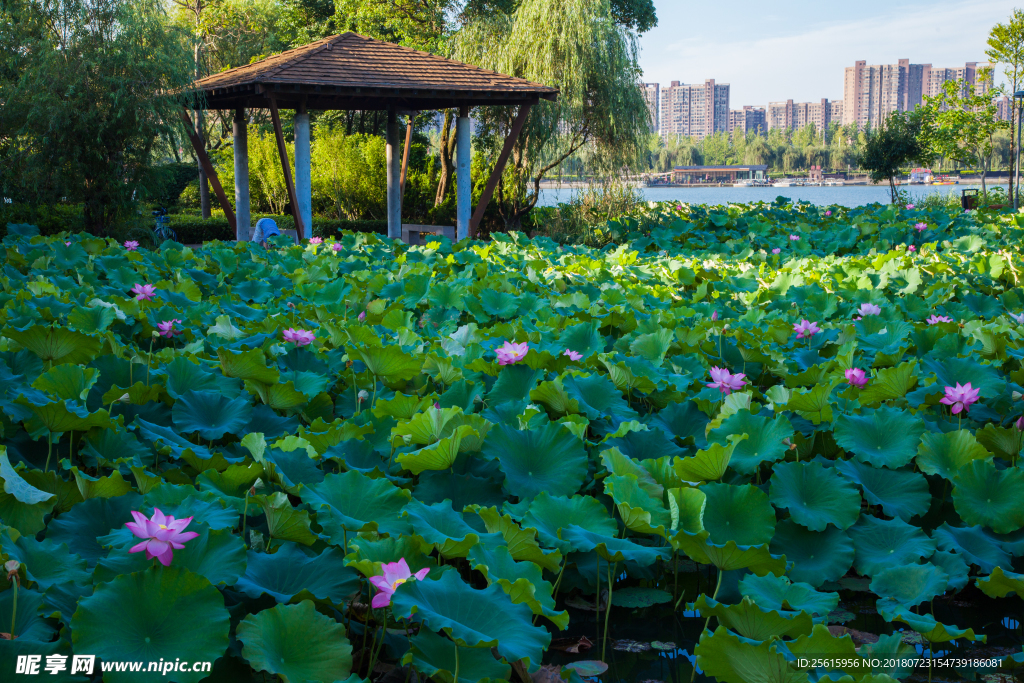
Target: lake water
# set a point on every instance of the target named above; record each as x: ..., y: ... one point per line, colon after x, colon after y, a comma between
x: 852, y: 195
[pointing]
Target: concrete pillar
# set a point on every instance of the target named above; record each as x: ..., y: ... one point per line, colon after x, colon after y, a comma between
x: 243, y: 219
x: 303, y: 173
x: 394, y: 162
x: 463, y: 182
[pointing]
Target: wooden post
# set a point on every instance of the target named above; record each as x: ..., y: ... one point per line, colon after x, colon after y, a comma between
x: 303, y: 169
x: 241, y: 150
x: 405, y: 152
x: 211, y: 174
x: 499, y: 168
x: 300, y: 229
x: 393, y: 171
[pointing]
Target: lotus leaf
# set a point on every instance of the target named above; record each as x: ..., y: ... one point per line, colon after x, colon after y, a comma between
x: 881, y: 544
x: 549, y: 514
x: 815, y: 496
x: 986, y: 496
x: 353, y: 502
x: 930, y: 629
x: 977, y: 547
x: 548, y: 459
x: 754, y: 622
x: 1000, y: 584
x: 210, y: 414
x: 910, y: 584
x: 734, y: 659
x: 901, y: 493
x: 435, y: 657
x: 764, y: 442
x: 778, y: 593
x: 944, y: 454
x: 884, y: 437
x: 521, y: 581
x: 297, y: 643
x: 291, y: 573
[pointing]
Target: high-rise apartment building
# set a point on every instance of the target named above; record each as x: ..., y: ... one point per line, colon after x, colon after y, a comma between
x: 791, y: 114
x: 780, y: 115
x: 748, y: 119
x: 652, y: 96
x: 872, y: 92
x: 696, y: 110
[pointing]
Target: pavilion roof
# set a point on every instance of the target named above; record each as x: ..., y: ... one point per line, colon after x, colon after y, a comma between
x: 351, y: 71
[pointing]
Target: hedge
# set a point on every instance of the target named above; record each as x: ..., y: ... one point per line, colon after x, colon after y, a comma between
x: 195, y: 230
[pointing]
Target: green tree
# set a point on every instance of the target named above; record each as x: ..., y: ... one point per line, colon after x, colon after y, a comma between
x: 894, y: 145
x: 577, y: 46
x: 85, y: 97
x: 1006, y: 47
x: 960, y: 125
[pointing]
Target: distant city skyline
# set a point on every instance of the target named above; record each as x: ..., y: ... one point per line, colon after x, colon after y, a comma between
x: 799, y: 50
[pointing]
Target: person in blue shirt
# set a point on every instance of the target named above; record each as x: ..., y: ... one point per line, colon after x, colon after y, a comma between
x: 265, y: 229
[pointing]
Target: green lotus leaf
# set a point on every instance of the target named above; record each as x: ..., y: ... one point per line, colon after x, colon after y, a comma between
x: 815, y: 496
x: 367, y: 556
x: 521, y: 541
x: 218, y: 555
x: 11, y: 650
x: 546, y: 459
x: 638, y: 510
x: 709, y: 464
x: 817, y: 556
x: 297, y: 643
x: 434, y: 656
x: 182, y: 376
x: 389, y: 362
x: 910, y: 584
x: 67, y: 382
x: 549, y: 514
x: 738, y: 513
x: 473, y: 618
x: 598, y: 397
x: 973, y: 544
x: 820, y: 643
x: 583, y: 338
x: 460, y: 489
x: 156, y: 614
x: 732, y: 659
x: 815, y: 404
x: 553, y: 395
x: 247, y: 365
x: 751, y: 621
x: 66, y: 493
x: 100, y: 487
x: 427, y: 427
x: 277, y: 396
x: 61, y: 600
x: 19, y: 489
x: 350, y: 502
x: 230, y: 485
x: 635, y: 597
x: 778, y: 593
x: 210, y: 414
x: 885, y: 437
x: 57, y: 344
x: 291, y: 574
x: 1000, y: 441
x: 67, y: 416
x: 618, y: 464
x: 521, y: 581
x: 955, y: 567
x: 185, y: 501
x: 610, y: 548
x: 1001, y: 583
x: 91, y: 320
x: 86, y: 522
x: 168, y: 441
x: 986, y: 496
x: 728, y: 556
x: 284, y: 522
x: 686, y: 508
x: 881, y: 544
x: 437, y: 456
x: 439, y: 525
x: 514, y: 384
x: 401, y: 406
x: 46, y: 563
x: 945, y: 453
x: 890, y: 383
x: 893, y: 653
x: 764, y: 442
x: 28, y: 625
x: 930, y: 629
x: 901, y: 493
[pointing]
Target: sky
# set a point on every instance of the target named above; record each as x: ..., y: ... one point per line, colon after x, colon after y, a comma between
x: 798, y: 49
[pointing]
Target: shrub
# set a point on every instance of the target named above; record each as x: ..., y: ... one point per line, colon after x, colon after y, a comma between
x: 195, y: 230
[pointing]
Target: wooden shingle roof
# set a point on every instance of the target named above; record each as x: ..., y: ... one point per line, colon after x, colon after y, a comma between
x: 351, y: 71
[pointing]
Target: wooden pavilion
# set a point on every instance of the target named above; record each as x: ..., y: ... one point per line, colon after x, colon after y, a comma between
x: 350, y: 71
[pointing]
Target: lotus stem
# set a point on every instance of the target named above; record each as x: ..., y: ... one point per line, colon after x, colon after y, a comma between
x: 378, y: 645
x: 49, y: 449
x: 718, y: 584
x: 456, y: 662
x: 14, y: 608
x: 245, y: 512
x: 608, y: 607
x: 355, y: 389
x: 675, y: 574
x: 558, y: 581
x: 149, y: 357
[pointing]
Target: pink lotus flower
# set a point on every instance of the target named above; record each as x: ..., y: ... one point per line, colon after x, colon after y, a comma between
x: 828, y: 213
x: 960, y: 398
x: 794, y: 238
x: 316, y: 240
x: 869, y: 309
x: 920, y: 227
x: 1019, y: 424
x: 910, y: 206
x: 130, y: 245
x: 361, y: 317
x: 911, y: 248
x: 573, y: 356
x: 163, y: 535
x: 776, y: 250
x: 856, y: 377
x: 1019, y: 318
x: 511, y: 352
x: 299, y: 337
x: 805, y: 329
x: 714, y: 315
x: 936, y: 319
x: 336, y: 246
x: 144, y: 292
x: 395, y: 574
x: 725, y: 381
x: 67, y: 244
x: 167, y: 330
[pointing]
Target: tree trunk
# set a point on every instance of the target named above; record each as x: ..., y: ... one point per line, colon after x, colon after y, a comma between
x: 204, y: 184
x: 447, y: 147
x: 1013, y: 146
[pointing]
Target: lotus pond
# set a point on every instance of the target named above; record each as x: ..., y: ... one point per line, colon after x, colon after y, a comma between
x: 747, y: 436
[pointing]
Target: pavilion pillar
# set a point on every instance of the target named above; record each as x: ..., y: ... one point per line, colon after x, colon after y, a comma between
x: 243, y: 219
x: 303, y: 171
x: 463, y: 182
x: 394, y: 171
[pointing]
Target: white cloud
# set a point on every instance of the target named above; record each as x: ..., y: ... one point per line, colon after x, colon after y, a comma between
x: 807, y: 62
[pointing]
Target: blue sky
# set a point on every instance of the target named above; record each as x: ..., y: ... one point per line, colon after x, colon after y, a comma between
x: 769, y: 51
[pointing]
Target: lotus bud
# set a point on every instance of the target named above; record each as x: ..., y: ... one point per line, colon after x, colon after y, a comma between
x: 291, y: 305
x: 363, y: 395
x: 125, y: 399
x: 1016, y: 395
x: 407, y: 439
x: 156, y: 333
x: 1020, y: 423
x: 478, y: 399
x: 725, y: 327
x: 12, y: 567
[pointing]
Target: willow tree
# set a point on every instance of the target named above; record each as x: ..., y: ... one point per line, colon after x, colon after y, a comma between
x: 579, y: 47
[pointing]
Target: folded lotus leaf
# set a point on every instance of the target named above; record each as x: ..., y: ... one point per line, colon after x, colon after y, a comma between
x: 752, y: 621
x: 734, y: 659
